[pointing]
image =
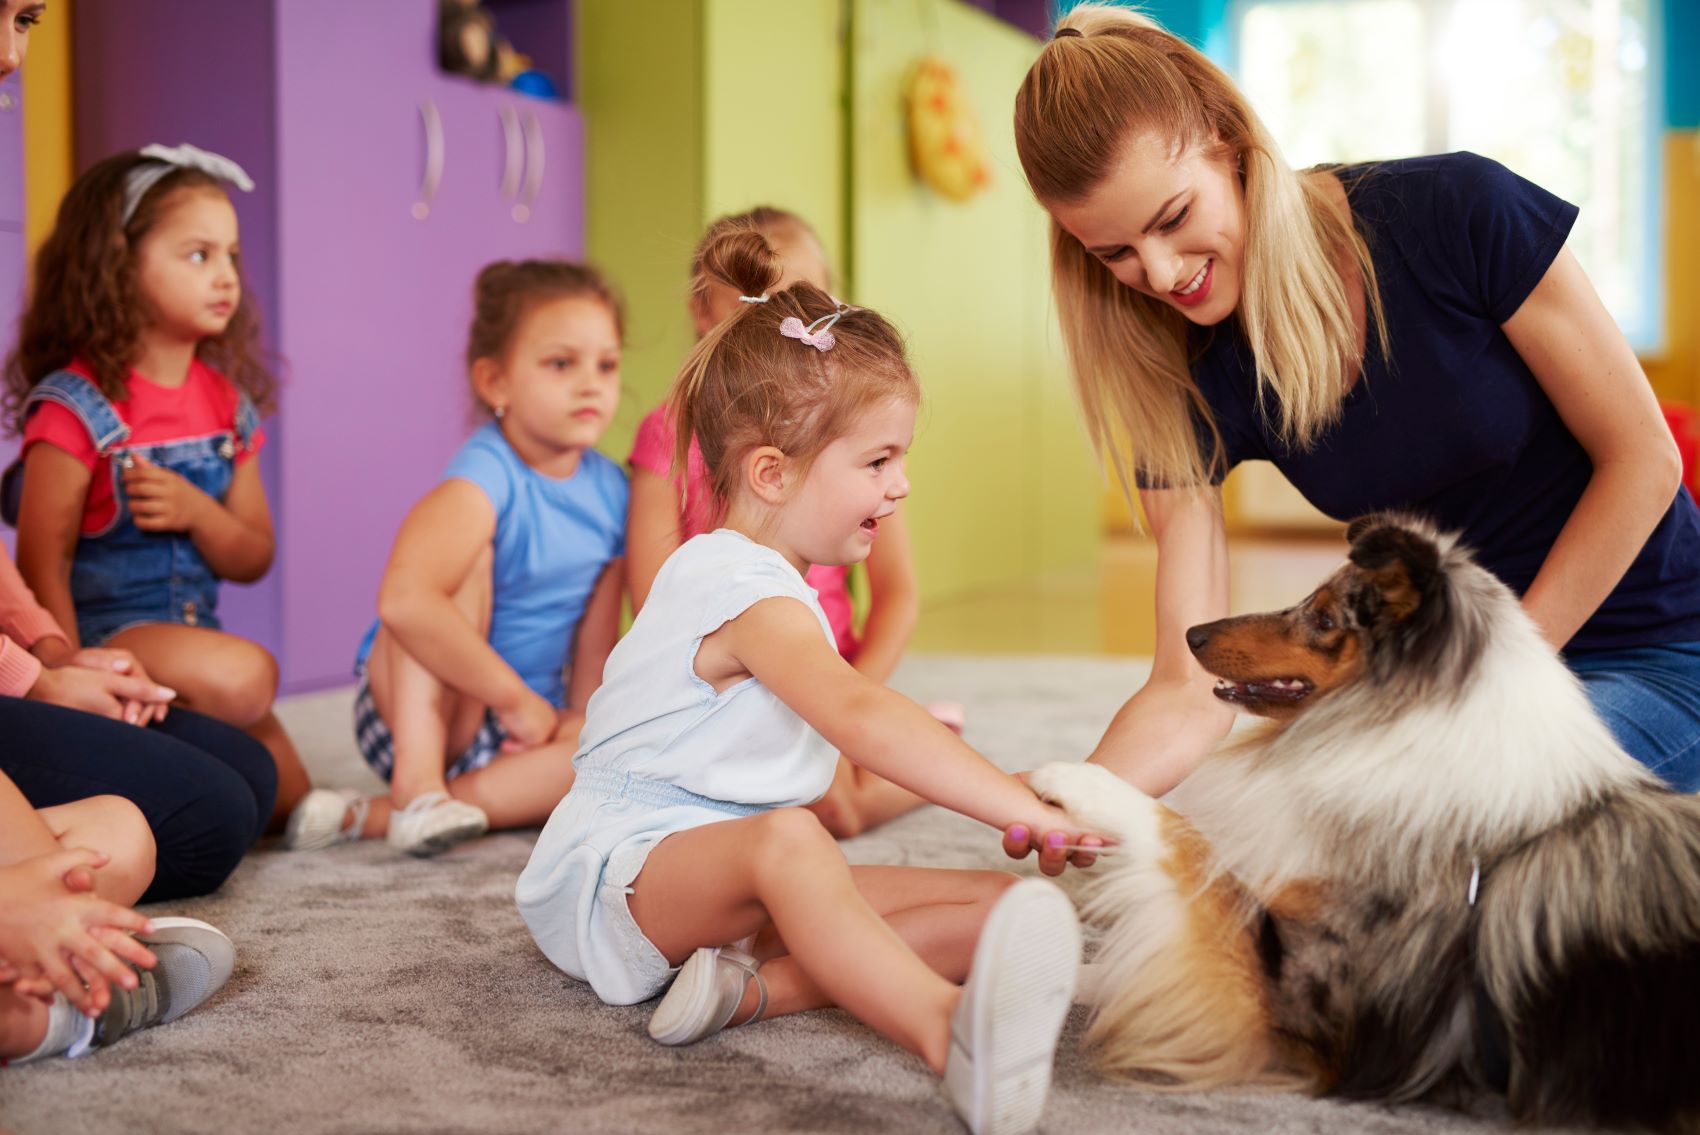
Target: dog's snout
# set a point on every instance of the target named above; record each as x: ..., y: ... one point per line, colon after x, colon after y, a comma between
x: 1197, y: 636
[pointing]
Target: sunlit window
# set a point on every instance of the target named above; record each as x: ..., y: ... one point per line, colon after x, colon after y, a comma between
x: 1561, y: 91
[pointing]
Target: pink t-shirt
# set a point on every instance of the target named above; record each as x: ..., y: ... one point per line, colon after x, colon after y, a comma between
x: 205, y: 404
x: 652, y: 449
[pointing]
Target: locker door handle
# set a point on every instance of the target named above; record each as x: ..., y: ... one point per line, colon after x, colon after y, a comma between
x: 433, y: 124
x: 534, y: 162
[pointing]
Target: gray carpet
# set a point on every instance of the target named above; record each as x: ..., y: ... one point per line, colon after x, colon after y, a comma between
x: 375, y: 993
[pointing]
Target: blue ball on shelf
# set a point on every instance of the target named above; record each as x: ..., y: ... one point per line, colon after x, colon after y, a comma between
x: 534, y: 83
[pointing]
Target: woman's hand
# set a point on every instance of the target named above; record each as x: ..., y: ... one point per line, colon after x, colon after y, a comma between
x: 105, y: 692
x: 161, y: 500
x: 118, y: 661
x: 50, y: 932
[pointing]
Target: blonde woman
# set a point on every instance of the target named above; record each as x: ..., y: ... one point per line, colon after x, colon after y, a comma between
x: 1410, y: 334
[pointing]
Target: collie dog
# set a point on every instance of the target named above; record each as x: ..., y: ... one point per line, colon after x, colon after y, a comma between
x: 1431, y: 868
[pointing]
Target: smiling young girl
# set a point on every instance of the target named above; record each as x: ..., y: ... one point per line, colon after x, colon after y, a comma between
x: 137, y: 383
x: 720, y: 719
x: 666, y: 510
x: 502, y: 595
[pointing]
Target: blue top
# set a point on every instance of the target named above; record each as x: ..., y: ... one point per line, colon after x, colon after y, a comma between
x: 553, y: 538
x: 1455, y: 426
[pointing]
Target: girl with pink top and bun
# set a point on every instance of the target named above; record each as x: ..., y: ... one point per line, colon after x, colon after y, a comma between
x: 665, y: 511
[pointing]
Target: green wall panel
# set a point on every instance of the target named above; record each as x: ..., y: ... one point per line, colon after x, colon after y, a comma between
x: 640, y: 85
x: 695, y: 108
x: 1004, y: 486
x: 774, y: 112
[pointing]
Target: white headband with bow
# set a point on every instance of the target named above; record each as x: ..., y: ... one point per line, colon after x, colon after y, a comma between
x: 143, y: 176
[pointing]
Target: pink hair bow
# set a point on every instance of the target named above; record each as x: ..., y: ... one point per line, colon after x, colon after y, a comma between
x: 817, y: 334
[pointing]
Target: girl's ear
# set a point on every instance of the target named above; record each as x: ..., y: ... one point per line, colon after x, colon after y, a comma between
x: 767, y: 471
x: 489, y: 383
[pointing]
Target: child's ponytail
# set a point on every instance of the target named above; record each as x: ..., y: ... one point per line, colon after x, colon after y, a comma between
x: 763, y: 376
x: 740, y: 257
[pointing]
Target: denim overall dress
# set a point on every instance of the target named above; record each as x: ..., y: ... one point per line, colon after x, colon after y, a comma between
x: 122, y: 576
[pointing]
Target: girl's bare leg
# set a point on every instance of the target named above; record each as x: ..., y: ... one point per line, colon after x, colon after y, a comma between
x: 431, y: 723
x: 724, y: 881
x: 227, y: 678
x: 23, y: 1024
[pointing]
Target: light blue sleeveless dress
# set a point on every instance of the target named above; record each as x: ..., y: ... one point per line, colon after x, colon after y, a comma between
x: 661, y: 752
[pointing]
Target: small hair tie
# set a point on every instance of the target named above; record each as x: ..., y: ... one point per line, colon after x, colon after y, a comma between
x: 1060, y: 32
x: 161, y: 160
x: 817, y: 334
x: 753, y: 299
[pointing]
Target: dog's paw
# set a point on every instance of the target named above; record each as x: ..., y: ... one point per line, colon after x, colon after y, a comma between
x: 1093, y: 796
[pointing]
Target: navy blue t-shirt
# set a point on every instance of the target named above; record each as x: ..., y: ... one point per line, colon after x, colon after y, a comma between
x: 1454, y: 425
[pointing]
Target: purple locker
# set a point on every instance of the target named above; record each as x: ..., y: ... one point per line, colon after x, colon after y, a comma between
x: 384, y: 185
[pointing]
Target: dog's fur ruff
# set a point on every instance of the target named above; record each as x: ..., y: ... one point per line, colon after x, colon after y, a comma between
x: 1299, y: 911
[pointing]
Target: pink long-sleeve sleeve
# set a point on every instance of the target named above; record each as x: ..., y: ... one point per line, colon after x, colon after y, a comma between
x: 21, y: 616
x: 18, y: 668
x: 23, y: 622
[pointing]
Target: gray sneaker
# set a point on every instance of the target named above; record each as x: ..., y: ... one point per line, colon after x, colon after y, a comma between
x: 195, y: 960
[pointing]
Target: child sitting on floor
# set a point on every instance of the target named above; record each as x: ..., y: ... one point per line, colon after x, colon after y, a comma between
x: 667, y: 510
x: 503, y: 574
x: 137, y: 385
x: 719, y: 721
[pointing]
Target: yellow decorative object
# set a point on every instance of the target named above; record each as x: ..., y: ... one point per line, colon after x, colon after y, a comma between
x: 944, y: 135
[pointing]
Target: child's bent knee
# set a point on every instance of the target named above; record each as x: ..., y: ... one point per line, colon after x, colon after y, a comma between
x: 126, y: 838
x: 241, y: 684
x: 789, y: 831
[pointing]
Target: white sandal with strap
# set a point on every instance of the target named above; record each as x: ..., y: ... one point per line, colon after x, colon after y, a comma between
x: 705, y: 996
x: 326, y: 817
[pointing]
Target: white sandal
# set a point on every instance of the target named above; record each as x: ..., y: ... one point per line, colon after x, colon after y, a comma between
x: 434, y: 823
x: 326, y: 817
x: 705, y: 996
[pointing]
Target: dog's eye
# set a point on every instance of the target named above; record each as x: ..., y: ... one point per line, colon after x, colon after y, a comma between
x: 1323, y: 620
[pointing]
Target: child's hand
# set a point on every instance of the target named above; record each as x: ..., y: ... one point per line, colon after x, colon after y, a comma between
x: 109, y: 659
x: 121, y: 697
x: 529, y: 723
x: 1053, y: 836
x: 50, y: 932
x: 1058, y: 848
x: 160, y: 500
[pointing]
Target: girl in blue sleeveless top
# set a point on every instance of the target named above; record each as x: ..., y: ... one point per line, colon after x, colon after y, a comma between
x: 501, y: 599
x: 1410, y: 335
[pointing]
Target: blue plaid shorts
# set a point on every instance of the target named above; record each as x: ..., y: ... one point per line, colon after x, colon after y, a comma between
x: 372, y: 734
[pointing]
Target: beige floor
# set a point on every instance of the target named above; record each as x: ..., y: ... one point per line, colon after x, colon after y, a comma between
x: 1108, y: 609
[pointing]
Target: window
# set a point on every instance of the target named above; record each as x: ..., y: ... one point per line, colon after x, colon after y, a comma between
x: 1561, y: 91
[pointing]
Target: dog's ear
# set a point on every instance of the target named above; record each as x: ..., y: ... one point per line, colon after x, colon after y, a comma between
x: 1362, y: 524
x: 1403, y: 563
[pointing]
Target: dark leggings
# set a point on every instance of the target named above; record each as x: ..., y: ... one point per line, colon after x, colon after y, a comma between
x: 206, y: 788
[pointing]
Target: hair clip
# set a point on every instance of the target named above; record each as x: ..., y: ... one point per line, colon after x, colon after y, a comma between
x: 822, y: 340
x: 160, y: 160
x: 1060, y: 32
x: 753, y: 299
